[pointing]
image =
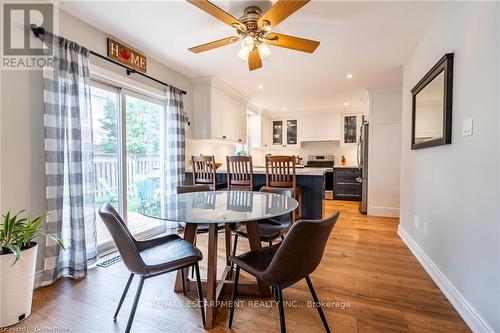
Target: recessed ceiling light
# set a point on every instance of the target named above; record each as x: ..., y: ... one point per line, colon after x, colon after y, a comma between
x: 284, y: 108
x: 346, y: 104
x: 261, y: 86
x: 349, y: 76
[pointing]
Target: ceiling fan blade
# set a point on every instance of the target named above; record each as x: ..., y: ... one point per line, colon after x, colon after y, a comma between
x: 280, y: 11
x: 213, y: 45
x: 216, y: 12
x: 254, y: 60
x: 291, y: 42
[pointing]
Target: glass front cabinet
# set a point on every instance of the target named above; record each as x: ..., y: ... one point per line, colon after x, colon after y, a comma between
x: 351, y: 124
x: 285, y: 132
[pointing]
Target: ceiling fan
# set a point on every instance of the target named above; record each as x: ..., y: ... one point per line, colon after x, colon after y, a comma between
x: 254, y: 30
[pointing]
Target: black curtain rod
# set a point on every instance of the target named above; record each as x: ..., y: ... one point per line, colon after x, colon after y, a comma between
x: 37, y: 31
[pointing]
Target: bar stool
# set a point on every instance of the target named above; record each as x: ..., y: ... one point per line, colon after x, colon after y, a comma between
x: 204, y: 172
x: 280, y: 172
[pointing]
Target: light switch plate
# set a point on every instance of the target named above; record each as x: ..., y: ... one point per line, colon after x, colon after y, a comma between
x: 467, y: 127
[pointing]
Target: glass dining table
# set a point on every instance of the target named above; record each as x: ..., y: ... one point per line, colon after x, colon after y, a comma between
x: 215, y: 209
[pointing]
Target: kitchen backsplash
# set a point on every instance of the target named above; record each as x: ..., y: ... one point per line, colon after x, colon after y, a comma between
x: 310, y: 148
x: 221, y: 149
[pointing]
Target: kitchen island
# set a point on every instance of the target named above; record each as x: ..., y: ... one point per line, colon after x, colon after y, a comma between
x: 311, y: 180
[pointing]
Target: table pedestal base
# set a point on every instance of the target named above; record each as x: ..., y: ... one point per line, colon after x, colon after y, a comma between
x: 215, y: 288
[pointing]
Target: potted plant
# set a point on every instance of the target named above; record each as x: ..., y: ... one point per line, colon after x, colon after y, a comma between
x: 17, y: 265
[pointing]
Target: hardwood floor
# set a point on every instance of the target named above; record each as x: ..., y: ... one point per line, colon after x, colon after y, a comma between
x: 370, y: 279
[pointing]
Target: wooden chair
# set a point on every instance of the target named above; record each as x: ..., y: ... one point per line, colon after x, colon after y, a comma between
x: 280, y: 172
x: 204, y: 172
x: 239, y: 173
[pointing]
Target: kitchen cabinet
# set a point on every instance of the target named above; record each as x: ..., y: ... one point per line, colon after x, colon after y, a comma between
x: 259, y: 131
x: 219, y: 111
x: 345, y: 185
x: 284, y: 133
x: 320, y: 126
x: 351, y: 124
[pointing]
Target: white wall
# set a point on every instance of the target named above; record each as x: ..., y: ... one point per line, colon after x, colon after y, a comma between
x: 450, y: 194
x: 384, y: 152
x: 22, y: 168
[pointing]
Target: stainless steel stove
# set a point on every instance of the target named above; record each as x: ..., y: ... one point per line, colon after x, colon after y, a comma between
x: 320, y: 161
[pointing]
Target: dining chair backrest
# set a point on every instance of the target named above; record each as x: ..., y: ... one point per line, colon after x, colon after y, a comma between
x: 287, y: 192
x: 280, y: 171
x: 125, y: 242
x: 204, y: 170
x: 301, y: 251
x: 239, y: 173
x: 192, y: 188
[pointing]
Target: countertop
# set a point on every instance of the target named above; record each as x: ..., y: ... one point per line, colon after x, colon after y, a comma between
x: 298, y: 171
x: 345, y: 167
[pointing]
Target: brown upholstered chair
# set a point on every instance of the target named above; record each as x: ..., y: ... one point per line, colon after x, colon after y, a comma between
x: 204, y: 172
x: 149, y: 258
x: 280, y: 172
x: 239, y: 173
x: 286, y: 263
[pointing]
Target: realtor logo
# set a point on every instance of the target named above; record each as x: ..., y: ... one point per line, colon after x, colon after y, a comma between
x: 17, y: 18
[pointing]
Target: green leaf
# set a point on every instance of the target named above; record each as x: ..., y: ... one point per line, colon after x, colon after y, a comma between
x: 16, y: 250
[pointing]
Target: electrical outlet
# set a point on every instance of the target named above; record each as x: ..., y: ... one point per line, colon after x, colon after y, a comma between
x: 467, y: 127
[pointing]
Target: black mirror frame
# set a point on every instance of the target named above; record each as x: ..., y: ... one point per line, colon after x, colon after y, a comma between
x: 445, y: 64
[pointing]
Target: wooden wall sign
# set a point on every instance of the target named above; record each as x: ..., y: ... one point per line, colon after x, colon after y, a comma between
x: 126, y: 55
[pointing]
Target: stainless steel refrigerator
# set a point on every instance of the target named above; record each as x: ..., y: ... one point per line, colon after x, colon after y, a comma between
x: 363, y: 165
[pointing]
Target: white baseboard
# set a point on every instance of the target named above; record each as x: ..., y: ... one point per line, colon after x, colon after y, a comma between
x: 383, y: 211
x: 473, y: 319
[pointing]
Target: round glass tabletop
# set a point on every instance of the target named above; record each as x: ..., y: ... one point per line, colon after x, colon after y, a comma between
x: 218, y: 207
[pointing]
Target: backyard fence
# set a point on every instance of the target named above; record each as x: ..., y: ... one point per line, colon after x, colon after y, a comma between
x: 138, y: 166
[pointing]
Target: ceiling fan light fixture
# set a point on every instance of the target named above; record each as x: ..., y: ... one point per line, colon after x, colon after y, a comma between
x: 264, y: 51
x: 247, y: 43
x: 243, y: 54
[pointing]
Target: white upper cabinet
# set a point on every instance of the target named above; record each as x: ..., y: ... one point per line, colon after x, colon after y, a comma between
x: 259, y: 131
x: 285, y: 132
x: 219, y: 111
x: 351, y: 124
x: 320, y: 126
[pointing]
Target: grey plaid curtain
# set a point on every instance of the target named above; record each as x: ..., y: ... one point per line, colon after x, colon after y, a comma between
x: 175, y: 146
x: 68, y: 162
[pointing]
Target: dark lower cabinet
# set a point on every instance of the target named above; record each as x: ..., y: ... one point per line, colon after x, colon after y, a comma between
x: 345, y: 185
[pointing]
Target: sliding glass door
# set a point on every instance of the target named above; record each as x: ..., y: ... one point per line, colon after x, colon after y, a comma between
x: 143, y: 130
x: 128, y: 158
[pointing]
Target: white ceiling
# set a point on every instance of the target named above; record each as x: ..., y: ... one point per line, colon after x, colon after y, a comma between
x: 371, y: 40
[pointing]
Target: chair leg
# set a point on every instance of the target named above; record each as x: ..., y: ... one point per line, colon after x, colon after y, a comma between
x: 233, y: 297
x: 317, y: 304
x: 200, y: 293
x: 131, y: 277
x: 192, y: 270
x: 299, y: 197
x: 183, y: 282
x: 234, y: 254
x: 134, y: 306
x: 281, y: 308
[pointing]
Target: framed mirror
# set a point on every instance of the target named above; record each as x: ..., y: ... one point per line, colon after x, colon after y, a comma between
x: 432, y: 106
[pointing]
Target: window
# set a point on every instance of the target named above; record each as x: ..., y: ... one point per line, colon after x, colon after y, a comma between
x: 128, y: 158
